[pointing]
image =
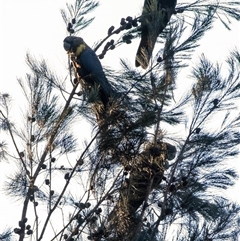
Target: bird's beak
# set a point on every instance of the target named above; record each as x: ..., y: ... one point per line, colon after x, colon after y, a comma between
x: 67, y: 46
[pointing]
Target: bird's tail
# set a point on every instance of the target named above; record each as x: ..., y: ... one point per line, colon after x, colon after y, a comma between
x: 144, y: 52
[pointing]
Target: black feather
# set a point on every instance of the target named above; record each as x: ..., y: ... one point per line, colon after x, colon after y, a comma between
x: 155, y: 16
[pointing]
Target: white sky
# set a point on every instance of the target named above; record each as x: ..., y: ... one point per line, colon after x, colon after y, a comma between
x: 36, y: 26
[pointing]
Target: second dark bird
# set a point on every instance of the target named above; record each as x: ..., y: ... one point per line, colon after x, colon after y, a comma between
x: 155, y: 16
x: 89, y: 66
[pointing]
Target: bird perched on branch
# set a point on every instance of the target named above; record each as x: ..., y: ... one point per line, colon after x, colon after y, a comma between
x: 155, y: 16
x: 88, y: 66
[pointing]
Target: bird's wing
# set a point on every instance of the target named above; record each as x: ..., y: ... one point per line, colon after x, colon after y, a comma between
x: 92, y: 66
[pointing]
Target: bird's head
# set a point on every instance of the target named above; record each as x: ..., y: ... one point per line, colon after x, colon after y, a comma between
x: 74, y: 45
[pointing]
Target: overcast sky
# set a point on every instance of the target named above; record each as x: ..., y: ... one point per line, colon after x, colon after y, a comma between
x: 36, y: 26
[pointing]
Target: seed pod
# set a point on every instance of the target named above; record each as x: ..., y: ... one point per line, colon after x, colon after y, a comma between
x: 111, y: 42
x: 134, y: 23
x: 73, y: 21
x: 127, y: 37
x: 198, y: 130
x: 215, y: 102
x: 29, y: 232
x: 32, y: 138
x: 106, y: 46
x: 17, y: 230
x: 117, y: 31
x: 112, y: 47
x: 101, y: 56
x: 98, y: 211
x: 88, y: 205
x: 20, y: 224
x: 129, y: 18
x: 128, y: 25
x: 110, y: 30
x: 123, y: 22
x: 104, y: 52
x: 28, y: 227
x: 82, y: 205
x: 24, y: 220
x: 80, y: 162
x: 66, y: 176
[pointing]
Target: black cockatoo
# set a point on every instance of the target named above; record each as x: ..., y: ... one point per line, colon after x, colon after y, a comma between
x: 155, y: 16
x: 89, y: 66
